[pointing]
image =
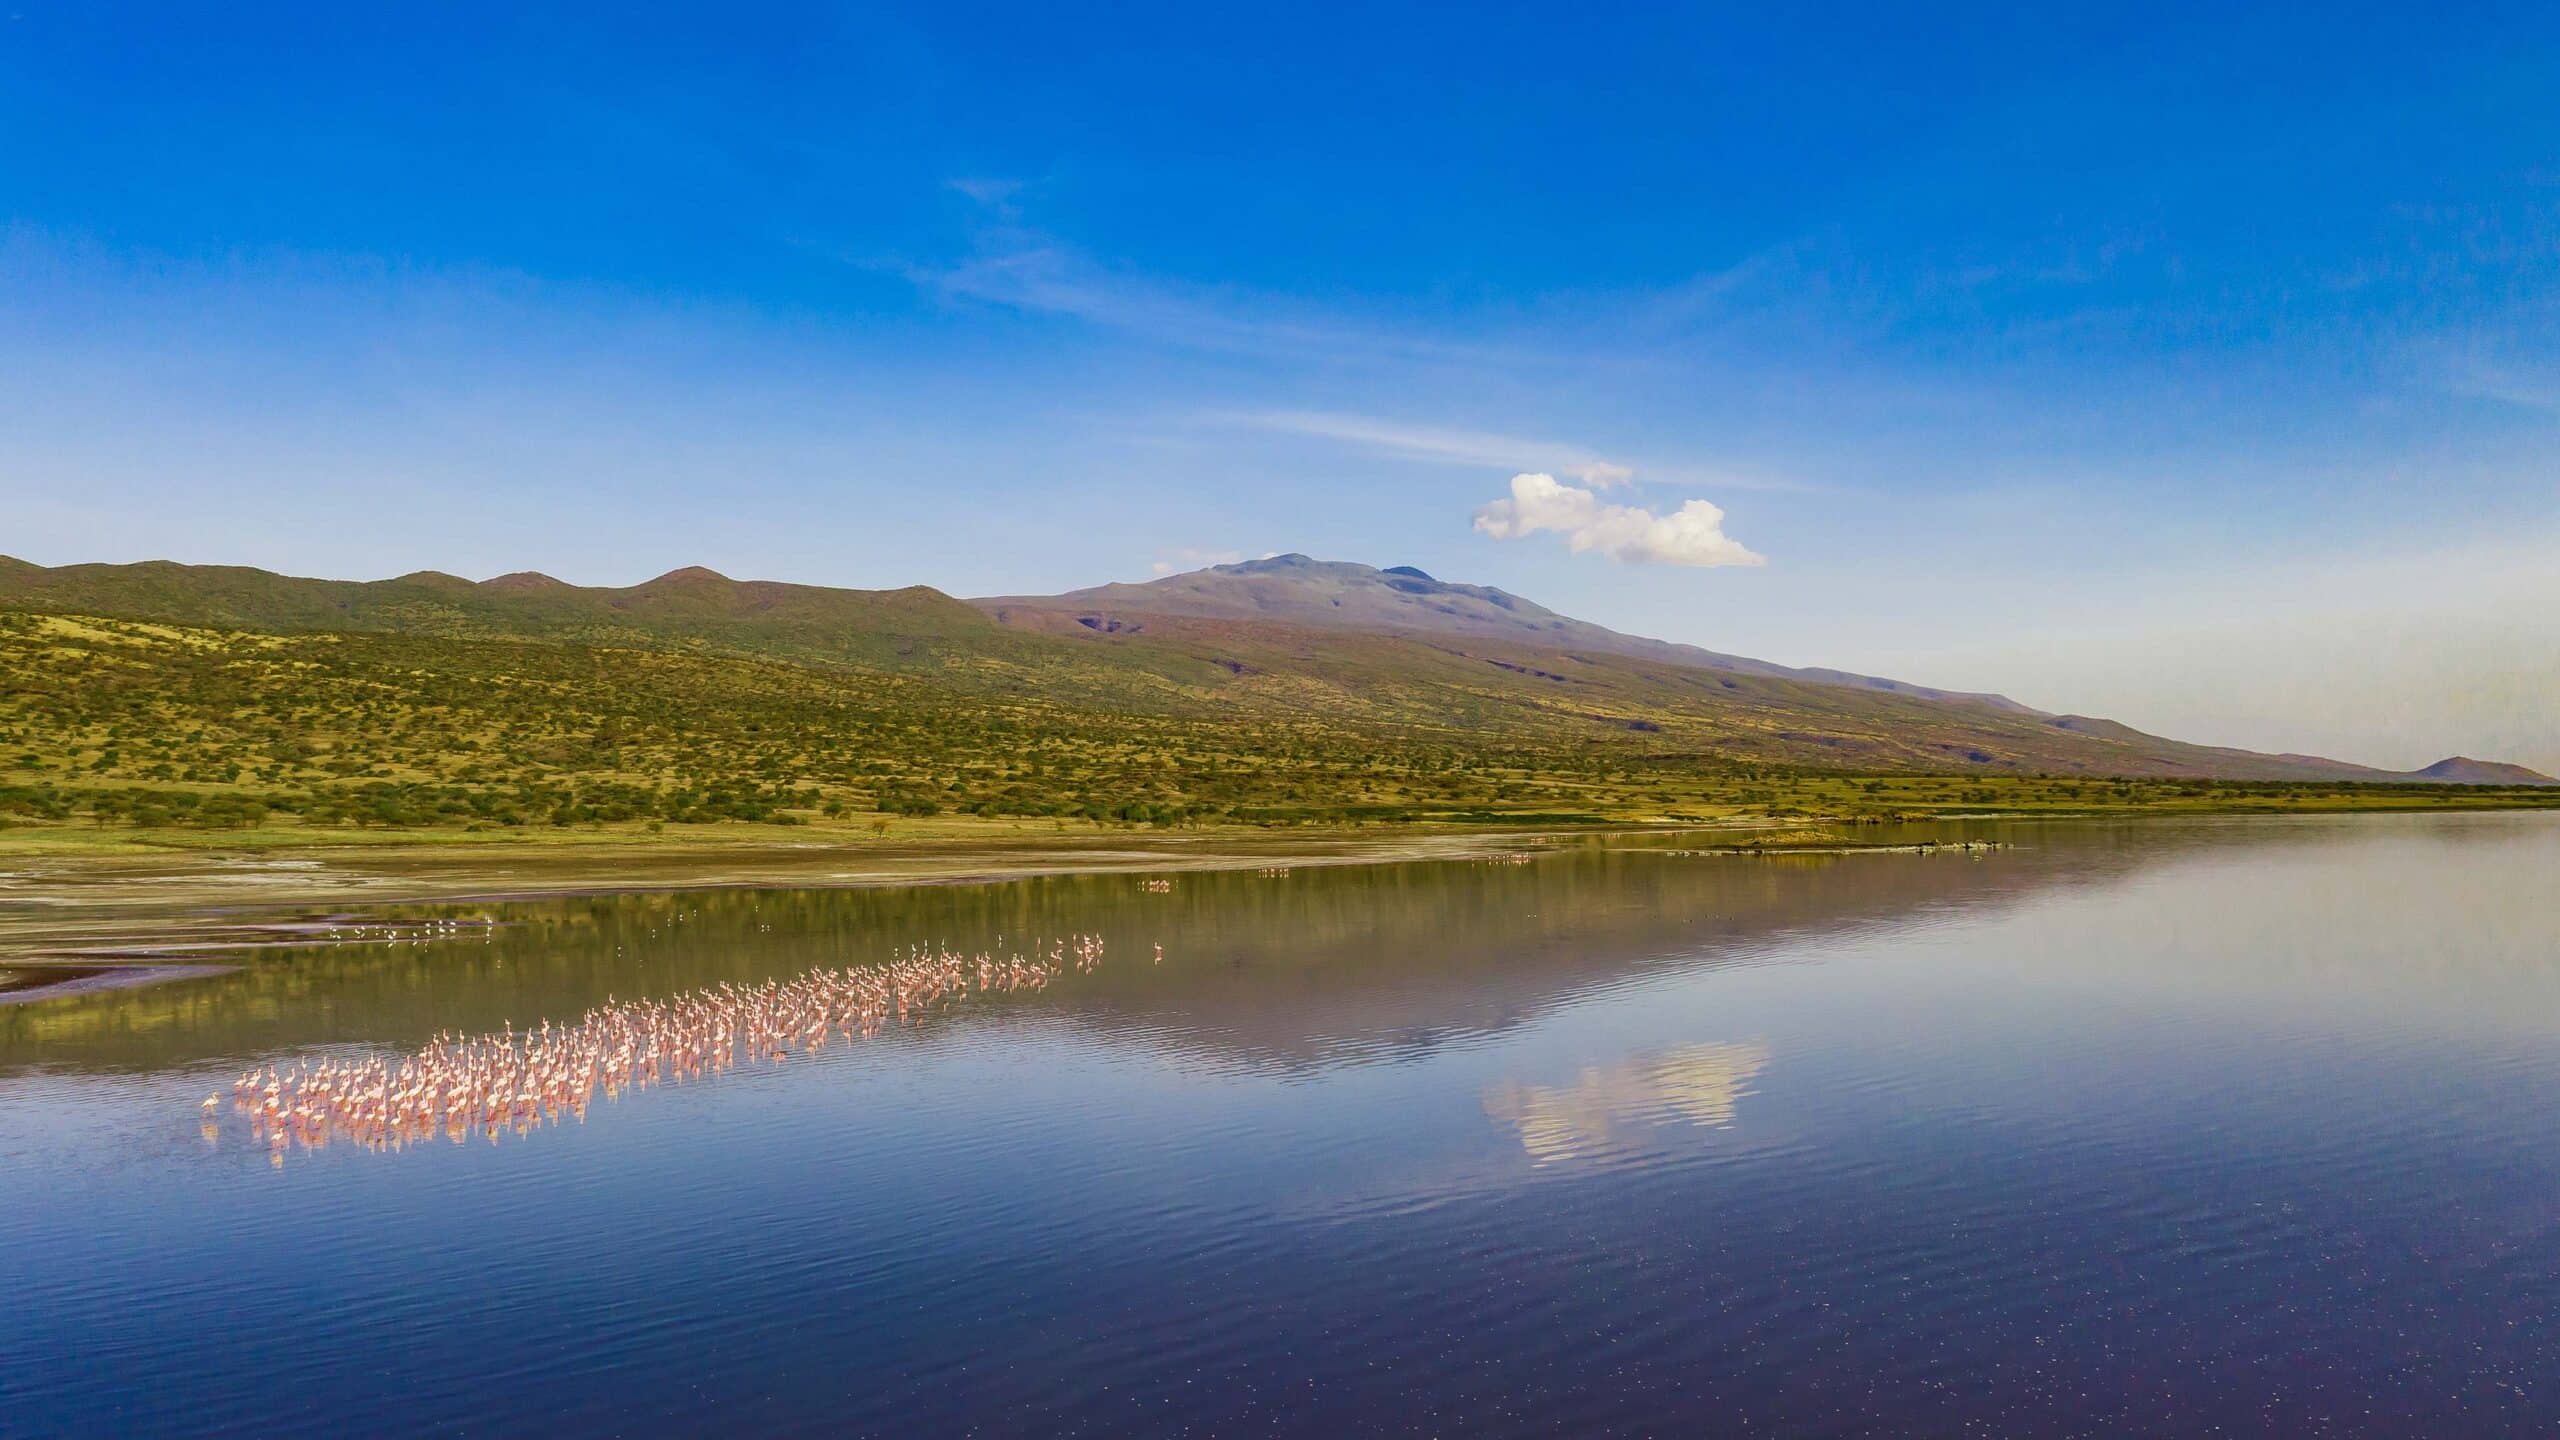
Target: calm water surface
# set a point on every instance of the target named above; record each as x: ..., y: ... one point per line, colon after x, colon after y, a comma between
x: 2213, y: 1127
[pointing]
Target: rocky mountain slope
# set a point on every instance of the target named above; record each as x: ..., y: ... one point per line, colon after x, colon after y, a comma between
x: 1400, y: 600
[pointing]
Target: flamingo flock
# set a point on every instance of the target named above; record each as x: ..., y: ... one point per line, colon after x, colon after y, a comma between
x: 520, y: 1081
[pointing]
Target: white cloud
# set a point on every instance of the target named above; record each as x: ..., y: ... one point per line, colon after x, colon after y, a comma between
x: 1691, y: 535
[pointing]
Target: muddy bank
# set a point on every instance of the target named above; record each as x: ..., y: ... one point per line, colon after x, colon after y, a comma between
x: 23, y: 982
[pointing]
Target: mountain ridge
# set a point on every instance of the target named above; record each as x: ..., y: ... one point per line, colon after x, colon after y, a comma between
x: 1415, y: 656
x: 1302, y: 590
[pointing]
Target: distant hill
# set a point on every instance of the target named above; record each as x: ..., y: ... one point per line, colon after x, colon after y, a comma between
x: 692, y: 605
x: 2463, y: 770
x: 1242, y: 651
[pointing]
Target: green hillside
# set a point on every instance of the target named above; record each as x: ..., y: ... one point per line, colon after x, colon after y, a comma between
x: 687, y: 607
x: 162, y: 694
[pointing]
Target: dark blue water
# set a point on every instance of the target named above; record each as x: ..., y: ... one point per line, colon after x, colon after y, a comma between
x: 2224, y: 1127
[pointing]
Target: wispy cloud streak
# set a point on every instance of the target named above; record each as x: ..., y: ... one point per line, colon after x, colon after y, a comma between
x: 1486, y: 449
x: 1439, y: 444
x: 1022, y: 268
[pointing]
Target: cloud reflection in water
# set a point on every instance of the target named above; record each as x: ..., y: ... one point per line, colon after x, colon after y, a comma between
x: 1698, y: 1084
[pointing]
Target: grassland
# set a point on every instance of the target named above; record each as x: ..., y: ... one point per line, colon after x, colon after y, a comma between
x: 122, y: 733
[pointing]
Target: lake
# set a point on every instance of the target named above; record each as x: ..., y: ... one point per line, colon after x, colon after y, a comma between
x: 2235, y: 1125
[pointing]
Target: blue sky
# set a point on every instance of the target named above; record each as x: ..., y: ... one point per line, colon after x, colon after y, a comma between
x: 2191, y: 366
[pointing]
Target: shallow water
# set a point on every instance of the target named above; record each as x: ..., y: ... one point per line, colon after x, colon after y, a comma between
x: 2239, y: 1125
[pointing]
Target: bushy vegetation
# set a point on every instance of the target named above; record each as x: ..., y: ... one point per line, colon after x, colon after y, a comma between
x: 120, y: 723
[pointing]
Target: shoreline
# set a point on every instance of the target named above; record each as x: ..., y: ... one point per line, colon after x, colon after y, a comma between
x: 97, y: 910
x: 159, y: 913
x: 91, y: 978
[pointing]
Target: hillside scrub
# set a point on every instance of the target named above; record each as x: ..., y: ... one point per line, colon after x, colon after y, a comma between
x: 129, y: 724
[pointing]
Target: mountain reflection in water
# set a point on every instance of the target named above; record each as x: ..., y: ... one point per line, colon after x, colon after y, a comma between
x: 1317, y: 966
